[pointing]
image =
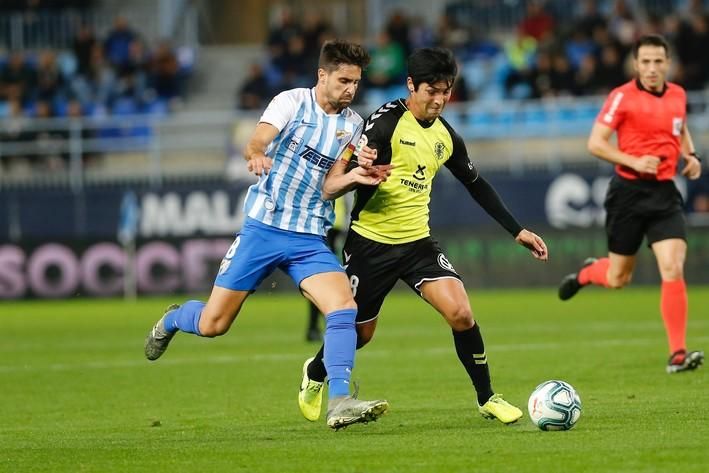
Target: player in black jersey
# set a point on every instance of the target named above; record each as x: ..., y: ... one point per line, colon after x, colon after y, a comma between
x: 389, y: 237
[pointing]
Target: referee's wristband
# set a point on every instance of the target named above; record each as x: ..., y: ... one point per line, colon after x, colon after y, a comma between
x: 694, y: 153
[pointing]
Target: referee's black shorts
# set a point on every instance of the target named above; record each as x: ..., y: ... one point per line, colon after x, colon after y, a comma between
x: 639, y: 208
x: 374, y: 268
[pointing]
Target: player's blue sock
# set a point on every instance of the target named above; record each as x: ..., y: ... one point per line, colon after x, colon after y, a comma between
x: 340, y: 341
x: 185, y: 318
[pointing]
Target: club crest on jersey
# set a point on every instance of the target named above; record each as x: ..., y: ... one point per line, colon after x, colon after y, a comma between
x: 439, y: 150
x: 343, y: 135
x: 294, y: 144
x: 316, y: 158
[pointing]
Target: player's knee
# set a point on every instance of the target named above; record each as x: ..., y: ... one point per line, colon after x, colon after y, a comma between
x: 365, y: 332
x: 672, y: 271
x: 460, y: 318
x: 617, y: 281
x: 362, y: 340
x: 214, y: 327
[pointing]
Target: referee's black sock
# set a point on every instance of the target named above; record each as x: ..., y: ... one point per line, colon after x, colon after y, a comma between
x: 471, y: 352
x: 316, y: 368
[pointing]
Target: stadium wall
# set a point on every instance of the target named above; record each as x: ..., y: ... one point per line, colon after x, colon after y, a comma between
x: 60, y: 244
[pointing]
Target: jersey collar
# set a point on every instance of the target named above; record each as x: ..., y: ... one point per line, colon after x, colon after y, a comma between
x: 423, y: 123
x: 640, y: 86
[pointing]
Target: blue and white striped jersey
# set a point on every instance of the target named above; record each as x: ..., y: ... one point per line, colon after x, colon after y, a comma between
x: 307, y: 145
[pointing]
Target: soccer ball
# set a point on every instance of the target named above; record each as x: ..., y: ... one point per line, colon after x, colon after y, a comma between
x: 554, y: 405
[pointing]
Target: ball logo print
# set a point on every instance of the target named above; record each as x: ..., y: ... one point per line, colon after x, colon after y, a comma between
x: 554, y: 405
x: 444, y: 263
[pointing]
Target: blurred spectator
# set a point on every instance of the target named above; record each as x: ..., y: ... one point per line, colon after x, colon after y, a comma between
x: 132, y: 73
x: 460, y: 92
x: 622, y: 24
x: 586, y: 78
x: 255, y: 92
x: 84, y: 43
x: 17, y: 79
x: 578, y: 46
x: 279, y: 35
x: 420, y: 34
x: 537, y: 23
x: 117, y: 43
x: 610, y: 70
x: 388, y: 63
x: 97, y: 85
x: 562, y: 76
x: 692, y: 45
x: 398, y: 30
x: 50, y: 82
x: 165, y: 71
x: 589, y: 18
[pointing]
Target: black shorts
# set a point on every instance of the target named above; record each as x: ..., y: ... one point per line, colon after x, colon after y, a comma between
x: 636, y: 208
x: 374, y: 268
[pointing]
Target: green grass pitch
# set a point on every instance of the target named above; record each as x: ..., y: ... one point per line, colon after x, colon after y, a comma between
x: 77, y: 395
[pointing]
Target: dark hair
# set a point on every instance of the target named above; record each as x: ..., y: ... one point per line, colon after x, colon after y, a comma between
x: 431, y: 65
x: 337, y: 52
x: 651, y: 40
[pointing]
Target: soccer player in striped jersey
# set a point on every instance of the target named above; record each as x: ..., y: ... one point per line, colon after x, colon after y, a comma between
x: 649, y: 116
x: 299, y: 137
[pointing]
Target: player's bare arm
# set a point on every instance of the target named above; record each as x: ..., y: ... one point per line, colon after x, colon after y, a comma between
x: 339, y: 181
x: 255, y: 152
x: 533, y: 243
x: 692, y: 165
x: 600, y: 146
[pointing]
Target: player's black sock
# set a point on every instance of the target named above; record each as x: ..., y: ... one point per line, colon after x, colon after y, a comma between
x: 314, y: 317
x: 471, y: 353
x: 316, y: 368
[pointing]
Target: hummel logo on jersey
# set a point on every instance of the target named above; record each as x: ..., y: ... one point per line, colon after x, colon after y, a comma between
x: 407, y: 143
x: 316, y: 158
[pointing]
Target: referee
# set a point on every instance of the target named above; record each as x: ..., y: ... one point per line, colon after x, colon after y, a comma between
x: 648, y: 114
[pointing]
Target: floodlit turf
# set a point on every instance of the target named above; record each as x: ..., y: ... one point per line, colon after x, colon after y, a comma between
x: 77, y: 396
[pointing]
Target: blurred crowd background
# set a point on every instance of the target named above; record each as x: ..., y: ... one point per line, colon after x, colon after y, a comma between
x: 141, y: 108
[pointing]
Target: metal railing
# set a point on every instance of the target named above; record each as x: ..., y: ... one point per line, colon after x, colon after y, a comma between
x: 202, y: 143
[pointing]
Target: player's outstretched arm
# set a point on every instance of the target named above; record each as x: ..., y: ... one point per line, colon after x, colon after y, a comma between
x: 339, y: 180
x: 533, y: 243
x: 255, y: 152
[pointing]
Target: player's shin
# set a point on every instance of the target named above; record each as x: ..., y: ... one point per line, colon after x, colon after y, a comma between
x: 339, y: 349
x: 471, y: 352
x: 185, y: 318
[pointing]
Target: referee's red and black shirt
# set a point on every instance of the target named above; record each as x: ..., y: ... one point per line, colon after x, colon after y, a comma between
x: 647, y: 123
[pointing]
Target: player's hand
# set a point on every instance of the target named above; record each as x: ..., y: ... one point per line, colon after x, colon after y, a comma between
x: 533, y: 243
x: 366, y: 156
x: 372, y: 176
x: 260, y: 165
x: 692, y: 168
x: 646, y: 164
